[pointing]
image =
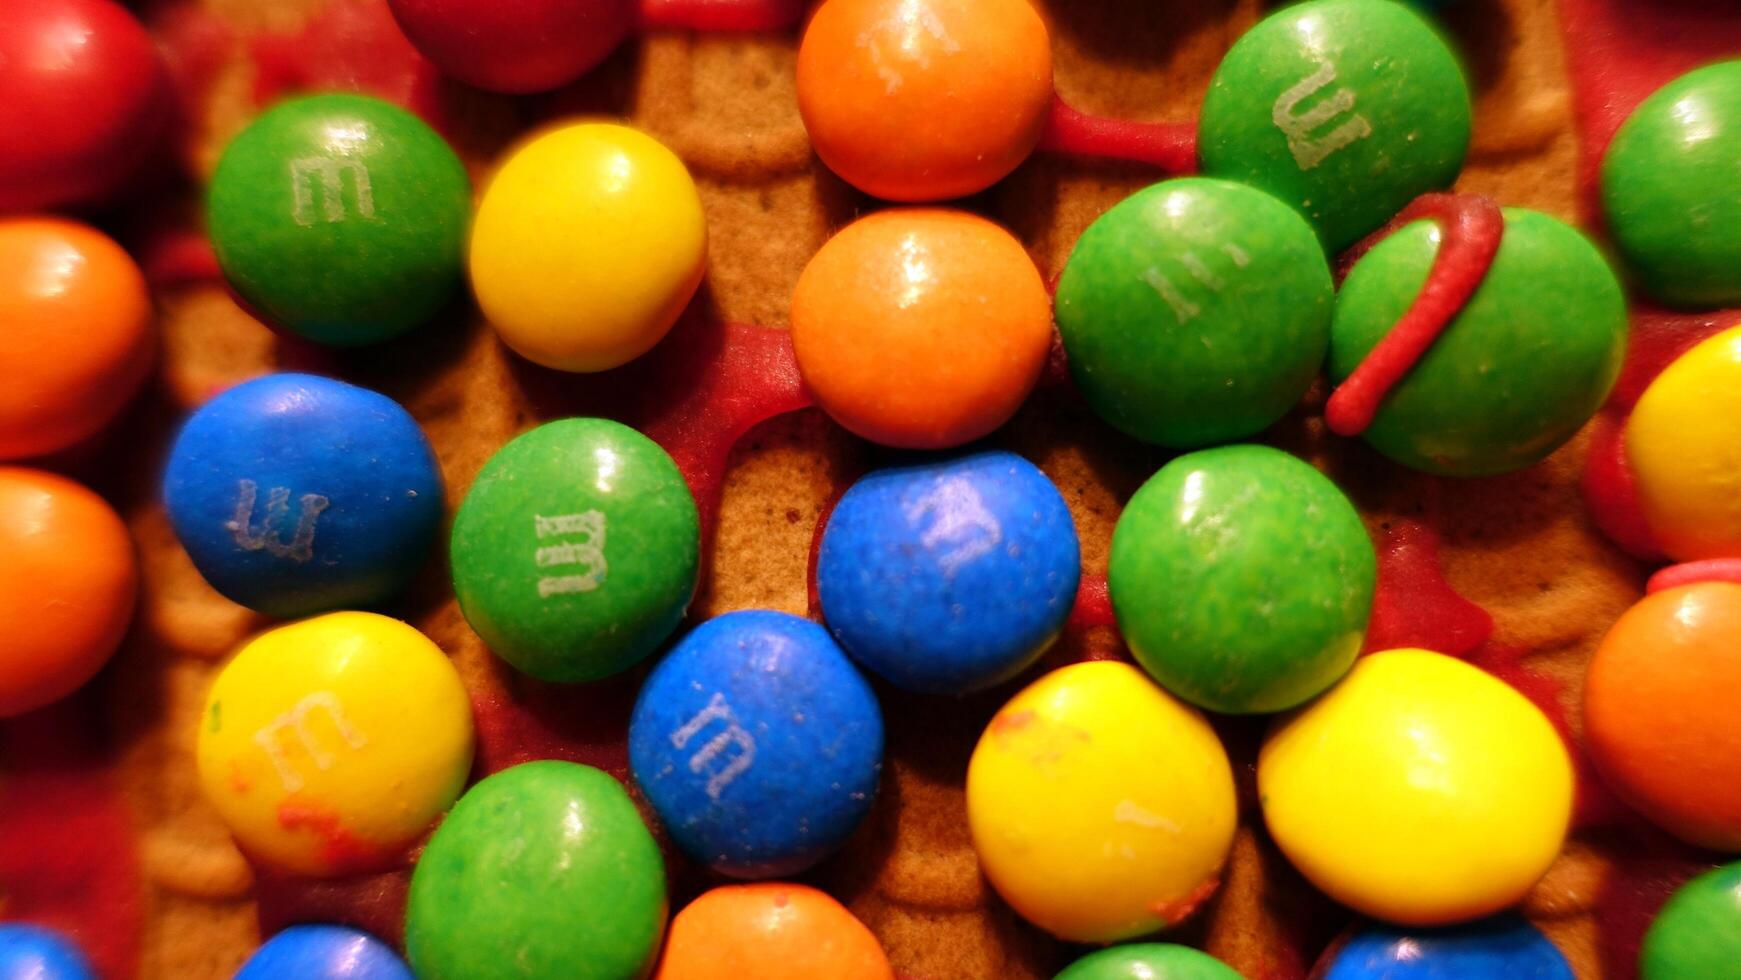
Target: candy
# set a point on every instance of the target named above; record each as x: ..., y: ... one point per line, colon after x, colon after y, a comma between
x: 1669, y: 189
x: 324, y: 952
x: 515, y: 46
x: 68, y: 581
x: 76, y: 338
x: 340, y: 218
x: 29, y: 952
x: 1515, y: 374
x: 949, y: 576
x: 1697, y: 935
x: 1683, y: 441
x: 1101, y: 808
x: 588, y: 243
x: 1503, y: 946
x: 1195, y: 312
x: 770, y: 931
x: 924, y: 100
x: 330, y: 744
x: 1420, y: 790
x: 1148, y: 961
x: 758, y: 744
x: 1659, y: 711
x: 296, y: 494
x: 921, y: 328
x: 1242, y: 579
x: 545, y: 866
x: 576, y: 550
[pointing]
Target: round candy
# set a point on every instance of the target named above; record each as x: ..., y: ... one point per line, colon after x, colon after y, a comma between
x: 1101, y: 807
x: 296, y: 494
x: 1242, y: 579
x: 29, y: 952
x: 1195, y: 311
x: 1683, y: 443
x: 516, y: 46
x: 1669, y: 191
x: 920, y: 327
x: 1697, y: 935
x: 1420, y: 790
x: 68, y: 581
x: 576, y: 550
x: 949, y: 576
x: 340, y: 218
x: 1345, y: 109
x: 330, y: 744
x: 546, y: 866
x: 75, y: 334
x: 770, y: 931
x: 588, y: 243
x: 1504, y: 946
x: 324, y: 952
x: 1148, y: 961
x: 758, y: 744
x: 84, y: 99
x: 1515, y: 374
x: 1659, y: 711
x: 923, y: 100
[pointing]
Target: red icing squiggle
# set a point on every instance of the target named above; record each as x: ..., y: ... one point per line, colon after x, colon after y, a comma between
x: 1694, y: 572
x: 720, y: 15
x: 1170, y: 146
x: 1413, y: 605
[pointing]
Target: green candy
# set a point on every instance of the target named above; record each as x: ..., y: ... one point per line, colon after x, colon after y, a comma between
x: 1195, y: 312
x: 1671, y: 188
x: 1242, y: 579
x: 340, y: 218
x: 1148, y: 961
x: 1697, y: 935
x: 1515, y: 374
x: 1345, y: 109
x: 575, y: 552
x: 544, y: 870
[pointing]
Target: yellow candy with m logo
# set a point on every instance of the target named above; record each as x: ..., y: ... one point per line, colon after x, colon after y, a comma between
x: 1684, y: 444
x: 330, y: 744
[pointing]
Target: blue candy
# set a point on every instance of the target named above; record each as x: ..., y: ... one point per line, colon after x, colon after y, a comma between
x: 30, y: 952
x: 324, y: 953
x: 296, y: 494
x: 949, y: 576
x: 758, y: 743
x: 1504, y: 946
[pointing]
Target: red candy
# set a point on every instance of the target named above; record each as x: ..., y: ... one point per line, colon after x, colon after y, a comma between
x: 515, y: 45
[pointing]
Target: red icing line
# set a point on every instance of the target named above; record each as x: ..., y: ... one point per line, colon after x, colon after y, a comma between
x: 1093, y: 605
x: 351, y: 46
x: 339, y: 846
x: 1170, y: 146
x: 1470, y: 231
x: 1413, y: 605
x: 720, y: 15
x: 1694, y: 572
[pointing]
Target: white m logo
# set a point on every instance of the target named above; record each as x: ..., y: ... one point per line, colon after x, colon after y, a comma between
x: 306, y: 172
x: 296, y: 721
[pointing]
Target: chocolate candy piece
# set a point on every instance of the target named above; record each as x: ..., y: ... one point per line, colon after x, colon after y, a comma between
x: 1503, y: 946
x: 1148, y: 961
x: 514, y: 45
x: 1683, y: 442
x: 30, y: 952
x: 1697, y: 935
x: 773, y: 930
x: 322, y: 952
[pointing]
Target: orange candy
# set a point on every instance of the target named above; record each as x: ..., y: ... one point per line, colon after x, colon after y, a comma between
x: 68, y: 578
x: 75, y: 339
x: 921, y: 328
x: 1660, y: 709
x: 770, y: 931
x: 922, y: 100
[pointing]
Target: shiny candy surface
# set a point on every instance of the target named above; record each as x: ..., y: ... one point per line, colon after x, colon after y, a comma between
x: 770, y: 931
x: 1242, y: 579
x: 341, y: 218
x: 758, y: 743
x: 1148, y: 961
x: 921, y: 328
x: 546, y: 866
x: 330, y: 744
x: 1504, y: 946
x: 575, y: 552
x: 518, y: 45
x: 1697, y: 934
x: 322, y: 952
x: 1420, y: 790
x: 588, y: 243
x: 29, y: 952
x: 1683, y: 441
x: 1101, y: 807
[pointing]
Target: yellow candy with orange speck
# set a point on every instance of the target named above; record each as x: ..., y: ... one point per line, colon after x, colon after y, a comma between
x: 587, y: 245
x: 330, y: 744
x: 1419, y: 790
x: 1684, y: 444
x: 1101, y: 806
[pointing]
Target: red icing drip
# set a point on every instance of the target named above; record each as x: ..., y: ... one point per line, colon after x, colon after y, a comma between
x: 1470, y: 231
x: 1170, y: 146
x: 1693, y: 572
x: 339, y: 846
x: 1093, y: 605
x: 351, y: 46
x: 720, y: 15
x: 172, y: 257
x: 1414, y: 606
x: 1648, y: 867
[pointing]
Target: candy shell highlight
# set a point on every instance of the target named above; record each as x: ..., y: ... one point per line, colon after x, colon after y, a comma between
x: 1697, y: 934
x: 31, y: 952
x: 1148, y: 961
x: 772, y: 930
x: 323, y: 952
x: 1683, y: 441
x: 1503, y: 946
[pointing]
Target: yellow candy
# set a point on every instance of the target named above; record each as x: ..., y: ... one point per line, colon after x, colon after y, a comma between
x: 330, y: 744
x: 1419, y: 790
x: 1101, y: 807
x: 1684, y: 444
x: 587, y: 245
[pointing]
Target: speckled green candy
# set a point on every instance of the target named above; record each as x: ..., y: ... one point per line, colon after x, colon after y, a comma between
x: 340, y: 218
x: 1345, y: 109
x: 1697, y: 935
x: 575, y: 551
x: 1242, y: 579
x: 1520, y: 369
x: 541, y: 872
x: 1671, y: 189
x: 1148, y: 961
x: 1195, y: 312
